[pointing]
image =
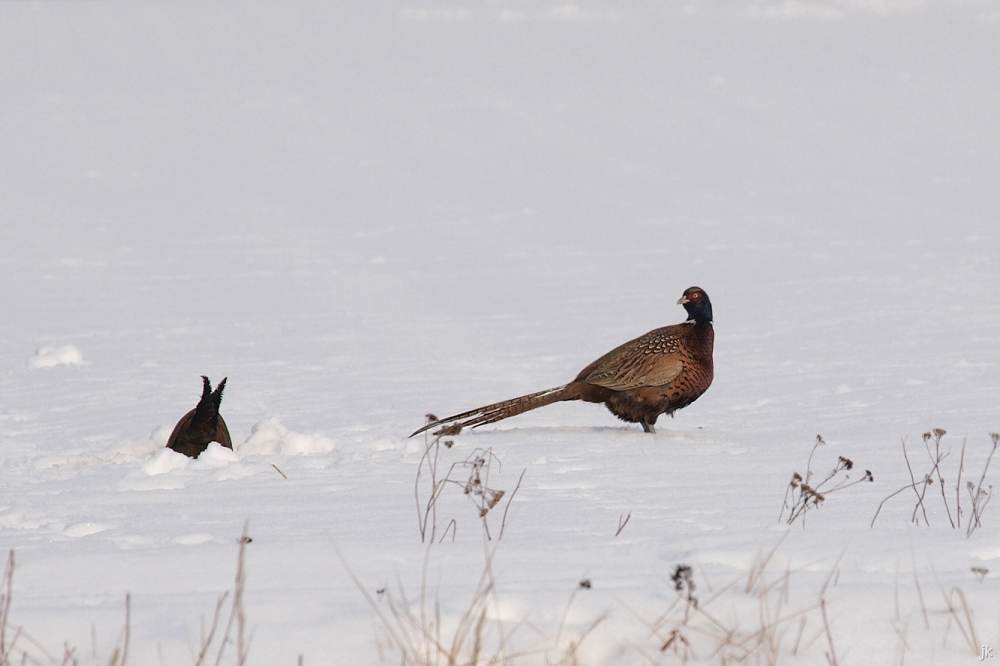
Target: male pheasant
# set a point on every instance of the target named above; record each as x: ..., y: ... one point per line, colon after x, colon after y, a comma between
x: 202, y: 425
x: 657, y: 373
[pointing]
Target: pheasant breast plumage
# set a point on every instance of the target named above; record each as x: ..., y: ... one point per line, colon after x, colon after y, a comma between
x: 657, y: 373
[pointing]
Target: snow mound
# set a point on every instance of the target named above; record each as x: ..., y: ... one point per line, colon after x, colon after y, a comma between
x: 86, y: 529
x: 215, y: 456
x: 165, y: 461
x: 195, y: 539
x: 130, y: 450
x: 269, y: 437
x: 51, y: 356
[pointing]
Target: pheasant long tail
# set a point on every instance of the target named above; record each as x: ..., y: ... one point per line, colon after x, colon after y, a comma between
x: 505, y: 409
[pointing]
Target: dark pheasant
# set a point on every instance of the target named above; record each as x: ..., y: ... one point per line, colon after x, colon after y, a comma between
x: 202, y: 425
x: 657, y: 373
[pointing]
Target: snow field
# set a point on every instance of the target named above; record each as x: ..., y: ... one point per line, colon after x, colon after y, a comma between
x: 363, y: 213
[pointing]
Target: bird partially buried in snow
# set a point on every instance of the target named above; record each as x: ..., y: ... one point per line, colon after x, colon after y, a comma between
x: 657, y: 373
x: 202, y: 425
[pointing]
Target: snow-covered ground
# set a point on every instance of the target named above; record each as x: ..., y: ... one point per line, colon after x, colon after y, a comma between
x: 361, y: 212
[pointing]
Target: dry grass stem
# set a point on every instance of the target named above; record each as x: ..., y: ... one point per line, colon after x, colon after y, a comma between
x: 622, y: 522
x: 803, y: 494
x: 690, y: 631
x: 503, y: 521
x: 831, y: 656
x: 5, y: 595
x: 207, y: 638
x: 471, y: 475
x: 979, y: 496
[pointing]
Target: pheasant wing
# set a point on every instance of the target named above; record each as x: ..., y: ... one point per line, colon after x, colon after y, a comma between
x: 654, y: 359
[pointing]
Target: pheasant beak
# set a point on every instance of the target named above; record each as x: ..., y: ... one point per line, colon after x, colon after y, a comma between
x: 683, y: 300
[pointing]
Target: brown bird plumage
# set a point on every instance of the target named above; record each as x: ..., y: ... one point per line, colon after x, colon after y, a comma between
x: 657, y: 373
x: 202, y: 425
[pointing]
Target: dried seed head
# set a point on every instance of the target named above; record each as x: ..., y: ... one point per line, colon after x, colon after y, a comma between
x: 682, y: 577
x: 940, y: 432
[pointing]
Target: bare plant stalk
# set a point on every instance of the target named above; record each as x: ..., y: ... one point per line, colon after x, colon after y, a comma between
x: 503, y: 521
x: 128, y: 625
x: 622, y: 523
x: 882, y: 503
x: 8, y: 584
x: 805, y: 494
x: 936, y: 459
x: 958, y: 485
x: 915, y: 486
x: 453, y: 527
x: 980, y: 498
x: 920, y: 596
x: 832, y: 656
x: 428, y: 510
x: 237, y: 616
x: 969, y: 628
x: 492, y: 588
x: 207, y: 639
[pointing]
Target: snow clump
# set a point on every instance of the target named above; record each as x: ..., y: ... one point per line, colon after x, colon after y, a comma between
x: 51, y: 356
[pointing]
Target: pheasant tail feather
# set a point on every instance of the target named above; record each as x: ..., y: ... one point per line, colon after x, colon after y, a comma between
x: 502, y: 410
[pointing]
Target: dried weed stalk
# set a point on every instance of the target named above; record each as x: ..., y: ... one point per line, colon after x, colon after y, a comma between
x: 690, y: 630
x: 802, y: 494
x: 18, y: 647
x: 622, y: 522
x: 7, y: 648
x: 413, y: 633
x: 979, y: 496
x: 472, y: 475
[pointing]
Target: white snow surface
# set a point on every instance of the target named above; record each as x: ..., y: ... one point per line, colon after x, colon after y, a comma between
x: 50, y: 356
x: 362, y: 212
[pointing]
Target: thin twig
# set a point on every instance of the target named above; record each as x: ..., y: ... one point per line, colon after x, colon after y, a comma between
x: 206, y: 641
x: 503, y: 521
x: 236, y: 614
x: 882, y: 503
x: 958, y: 485
x: 938, y: 433
x: 8, y: 585
x: 832, y: 657
x: 128, y: 623
x: 920, y: 496
x: 622, y: 523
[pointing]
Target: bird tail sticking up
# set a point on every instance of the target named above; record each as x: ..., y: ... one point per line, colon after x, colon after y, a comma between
x: 502, y: 410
